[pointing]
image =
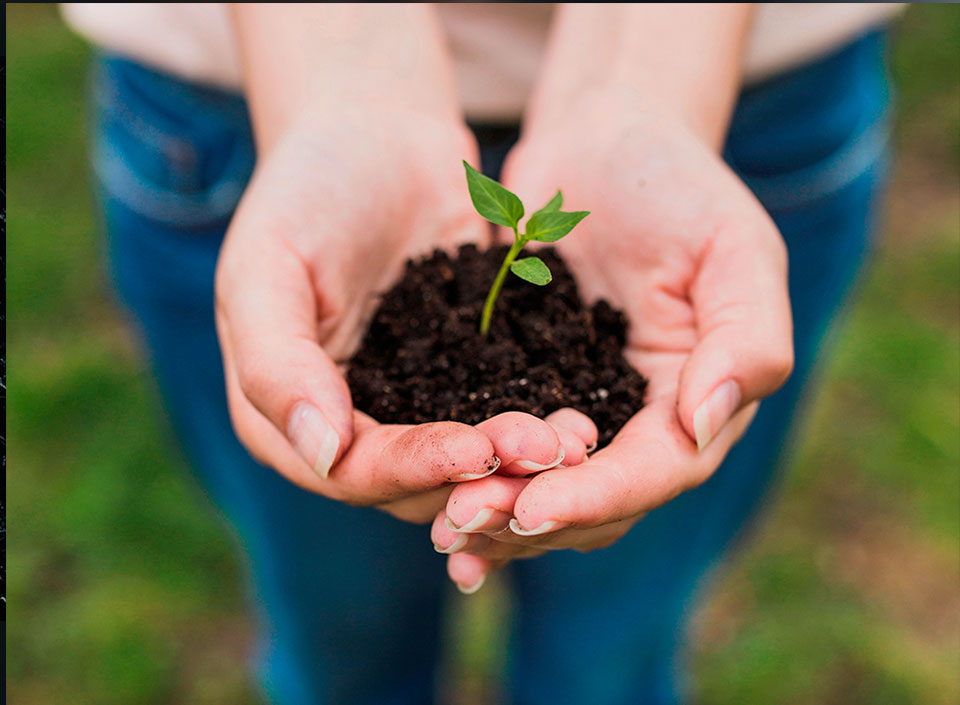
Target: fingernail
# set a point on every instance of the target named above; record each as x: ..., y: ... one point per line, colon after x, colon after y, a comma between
x: 537, y: 467
x: 592, y: 447
x: 482, y: 517
x: 454, y: 547
x: 714, y: 412
x: 313, y: 437
x: 542, y: 529
x: 470, y: 589
x: 491, y: 468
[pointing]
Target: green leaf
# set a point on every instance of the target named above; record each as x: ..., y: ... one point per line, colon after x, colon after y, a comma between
x: 551, y: 226
x: 554, y: 204
x: 533, y: 270
x: 493, y: 201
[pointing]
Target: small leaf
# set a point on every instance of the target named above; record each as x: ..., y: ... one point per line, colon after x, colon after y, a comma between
x: 553, y: 205
x: 493, y: 201
x: 533, y: 270
x: 551, y: 226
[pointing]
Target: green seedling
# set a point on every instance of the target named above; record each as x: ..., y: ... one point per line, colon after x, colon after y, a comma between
x: 501, y: 207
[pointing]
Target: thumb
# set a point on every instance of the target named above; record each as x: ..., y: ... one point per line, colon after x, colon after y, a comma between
x: 745, y: 332
x: 267, y: 313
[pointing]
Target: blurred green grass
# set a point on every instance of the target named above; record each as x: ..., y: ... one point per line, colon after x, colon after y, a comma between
x: 122, y: 583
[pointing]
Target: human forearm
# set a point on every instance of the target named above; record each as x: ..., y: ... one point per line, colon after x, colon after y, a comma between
x: 310, y: 61
x: 680, y: 60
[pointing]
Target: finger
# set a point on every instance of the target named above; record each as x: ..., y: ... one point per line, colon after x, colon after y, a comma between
x: 418, y: 508
x: 650, y: 461
x: 574, y: 449
x: 577, y: 422
x: 264, y: 441
x: 487, y: 505
x: 447, y: 541
x: 267, y: 324
x: 469, y: 572
x: 496, y: 550
x: 589, y: 539
x: 385, y: 462
x: 524, y: 443
x: 574, y: 445
x: 744, y: 350
x: 389, y: 462
x: 484, y: 505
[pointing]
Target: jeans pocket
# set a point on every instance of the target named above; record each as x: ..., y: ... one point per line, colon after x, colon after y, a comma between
x: 170, y: 151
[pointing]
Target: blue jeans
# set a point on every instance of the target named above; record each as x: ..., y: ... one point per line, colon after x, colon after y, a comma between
x: 349, y: 599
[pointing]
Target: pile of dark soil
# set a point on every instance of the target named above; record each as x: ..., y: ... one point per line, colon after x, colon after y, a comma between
x: 423, y: 358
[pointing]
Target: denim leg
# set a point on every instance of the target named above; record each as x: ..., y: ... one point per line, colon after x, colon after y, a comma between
x: 348, y: 599
x: 598, y: 628
x: 607, y: 627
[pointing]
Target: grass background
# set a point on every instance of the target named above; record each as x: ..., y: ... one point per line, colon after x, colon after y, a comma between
x: 122, y: 584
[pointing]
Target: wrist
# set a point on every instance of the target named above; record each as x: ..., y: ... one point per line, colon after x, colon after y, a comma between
x: 362, y: 138
x: 323, y: 59
x: 614, y: 115
x: 682, y: 62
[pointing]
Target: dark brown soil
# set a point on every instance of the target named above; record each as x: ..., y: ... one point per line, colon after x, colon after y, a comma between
x: 423, y: 358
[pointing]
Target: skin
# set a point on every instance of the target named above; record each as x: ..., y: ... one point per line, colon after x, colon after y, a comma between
x: 359, y: 170
x: 675, y: 240
x: 356, y: 172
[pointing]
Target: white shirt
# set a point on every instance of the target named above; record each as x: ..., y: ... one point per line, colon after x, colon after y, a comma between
x: 496, y: 47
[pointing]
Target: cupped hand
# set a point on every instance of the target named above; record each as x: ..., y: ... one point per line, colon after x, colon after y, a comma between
x: 679, y: 244
x: 332, y: 213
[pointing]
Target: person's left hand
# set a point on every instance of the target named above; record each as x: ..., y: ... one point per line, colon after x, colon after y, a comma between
x: 679, y: 244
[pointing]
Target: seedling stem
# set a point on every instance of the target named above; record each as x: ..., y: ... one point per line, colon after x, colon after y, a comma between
x: 501, y: 207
